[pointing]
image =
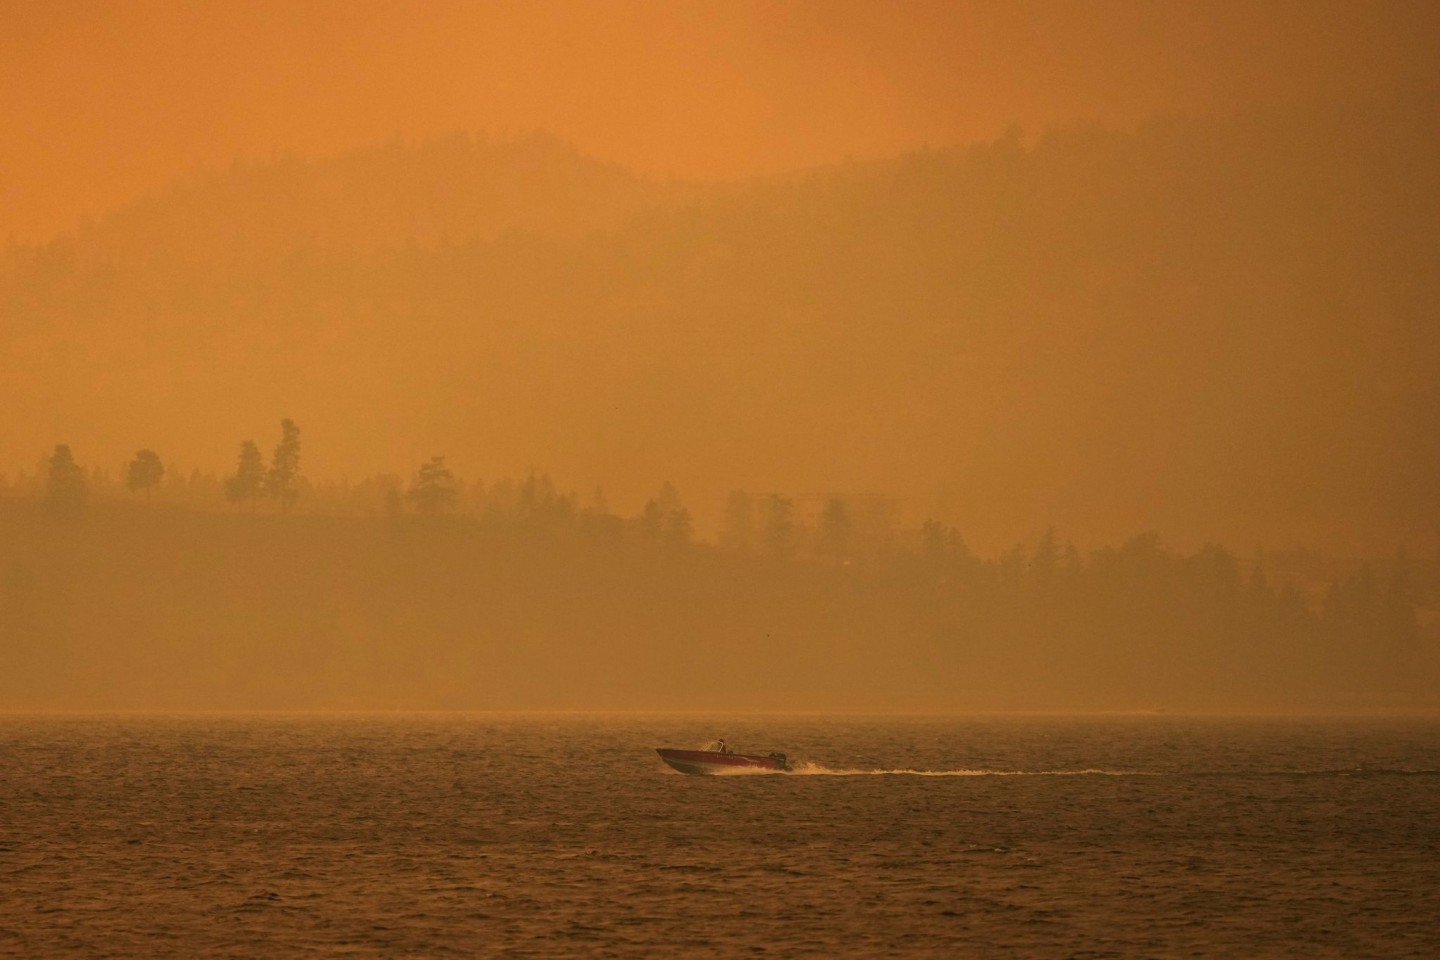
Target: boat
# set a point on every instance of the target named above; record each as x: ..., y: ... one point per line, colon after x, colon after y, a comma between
x: 717, y: 758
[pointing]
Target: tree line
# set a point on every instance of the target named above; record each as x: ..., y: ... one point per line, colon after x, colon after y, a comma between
x: 526, y: 598
x: 1285, y: 622
x: 67, y: 489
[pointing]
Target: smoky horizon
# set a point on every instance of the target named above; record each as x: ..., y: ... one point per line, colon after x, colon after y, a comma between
x: 930, y: 356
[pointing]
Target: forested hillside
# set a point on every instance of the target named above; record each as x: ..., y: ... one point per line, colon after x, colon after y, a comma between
x: 531, y: 601
x: 1220, y: 328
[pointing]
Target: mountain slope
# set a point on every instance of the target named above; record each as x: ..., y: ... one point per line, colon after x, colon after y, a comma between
x: 1219, y: 328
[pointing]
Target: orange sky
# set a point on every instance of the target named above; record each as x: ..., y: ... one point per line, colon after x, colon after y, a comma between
x: 102, y: 101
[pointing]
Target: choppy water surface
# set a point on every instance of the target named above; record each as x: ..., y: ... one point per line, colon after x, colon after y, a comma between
x: 478, y: 835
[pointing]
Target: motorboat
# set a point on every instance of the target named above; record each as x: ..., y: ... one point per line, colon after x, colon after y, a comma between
x: 718, y: 758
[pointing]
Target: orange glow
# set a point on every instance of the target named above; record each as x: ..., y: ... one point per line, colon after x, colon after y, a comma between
x: 106, y: 101
x: 606, y: 330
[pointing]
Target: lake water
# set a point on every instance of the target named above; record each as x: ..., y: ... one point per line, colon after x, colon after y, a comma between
x: 473, y: 835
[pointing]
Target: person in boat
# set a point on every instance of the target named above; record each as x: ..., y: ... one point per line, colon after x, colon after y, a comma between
x: 720, y: 747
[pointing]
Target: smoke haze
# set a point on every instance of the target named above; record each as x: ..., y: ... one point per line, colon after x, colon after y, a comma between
x: 116, y: 100
x: 627, y: 337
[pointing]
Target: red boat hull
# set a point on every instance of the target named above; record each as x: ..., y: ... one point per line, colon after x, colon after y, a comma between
x: 705, y: 762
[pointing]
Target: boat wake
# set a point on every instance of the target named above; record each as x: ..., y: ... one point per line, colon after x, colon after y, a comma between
x: 817, y: 770
x: 805, y: 769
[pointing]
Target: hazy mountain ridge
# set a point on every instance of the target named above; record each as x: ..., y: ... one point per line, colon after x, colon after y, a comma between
x: 1194, y: 326
x: 450, y: 189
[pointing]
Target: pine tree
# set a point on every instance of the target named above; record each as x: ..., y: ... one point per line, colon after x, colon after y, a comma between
x: 65, y: 487
x: 780, y: 525
x: 433, y: 491
x: 144, y: 473
x: 249, y: 480
x: 285, y: 466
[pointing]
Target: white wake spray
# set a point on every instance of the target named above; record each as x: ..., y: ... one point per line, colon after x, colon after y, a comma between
x: 817, y: 770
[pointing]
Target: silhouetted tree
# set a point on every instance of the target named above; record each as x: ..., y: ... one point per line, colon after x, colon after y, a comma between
x: 144, y: 473
x: 65, y: 487
x: 285, y: 466
x: 1071, y: 562
x: 1045, y: 561
x: 679, y: 526
x: 540, y: 506
x: 652, y: 521
x: 934, y: 542
x: 780, y: 525
x: 249, y: 480
x: 433, y: 491
x: 665, y: 518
